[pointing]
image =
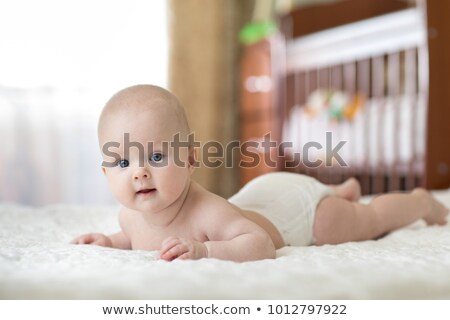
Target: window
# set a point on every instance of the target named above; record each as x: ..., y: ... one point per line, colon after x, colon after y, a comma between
x: 60, y: 61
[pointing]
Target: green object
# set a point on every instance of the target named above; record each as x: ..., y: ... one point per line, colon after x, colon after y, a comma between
x: 256, y: 31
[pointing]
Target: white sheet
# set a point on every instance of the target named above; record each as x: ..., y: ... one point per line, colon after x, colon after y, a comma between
x: 36, y: 261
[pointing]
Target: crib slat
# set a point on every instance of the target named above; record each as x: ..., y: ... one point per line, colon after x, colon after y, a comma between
x: 310, y: 85
x: 394, y: 104
x: 363, y: 85
x: 336, y: 172
x: 377, y: 150
x: 301, y: 94
x: 410, y: 90
x: 423, y: 79
x: 349, y: 86
x: 323, y: 82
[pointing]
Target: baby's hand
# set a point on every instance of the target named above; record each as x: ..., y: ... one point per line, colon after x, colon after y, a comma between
x: 93, y: 238
x: 179, y: 248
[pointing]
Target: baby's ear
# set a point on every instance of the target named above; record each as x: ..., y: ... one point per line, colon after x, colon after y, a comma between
x: 193, y: 163
x: 104, y: 170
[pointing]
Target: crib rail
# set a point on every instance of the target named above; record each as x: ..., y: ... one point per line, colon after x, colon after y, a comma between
x: 359, y: 40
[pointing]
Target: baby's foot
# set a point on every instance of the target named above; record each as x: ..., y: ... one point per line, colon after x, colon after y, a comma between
x: 437, y: 213
x: 350, y: 189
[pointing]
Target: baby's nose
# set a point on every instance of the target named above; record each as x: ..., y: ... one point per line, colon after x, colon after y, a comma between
x: 141, y: 174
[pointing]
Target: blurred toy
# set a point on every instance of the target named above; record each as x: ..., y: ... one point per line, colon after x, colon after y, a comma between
x: 338, y: 105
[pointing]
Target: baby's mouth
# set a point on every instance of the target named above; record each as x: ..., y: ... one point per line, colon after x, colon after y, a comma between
x: 146, y: 191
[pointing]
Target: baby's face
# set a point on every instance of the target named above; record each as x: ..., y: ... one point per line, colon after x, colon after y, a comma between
x: 144, y: 171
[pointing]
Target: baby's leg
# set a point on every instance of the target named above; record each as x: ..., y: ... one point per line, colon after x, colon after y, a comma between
x: 338, y: 220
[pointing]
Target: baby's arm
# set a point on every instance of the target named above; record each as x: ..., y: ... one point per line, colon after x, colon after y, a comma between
x: 234, y: 238
x: 117, y: 240
x: 247, y: 242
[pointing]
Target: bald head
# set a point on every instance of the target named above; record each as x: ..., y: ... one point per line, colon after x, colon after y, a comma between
x: 136, y: 100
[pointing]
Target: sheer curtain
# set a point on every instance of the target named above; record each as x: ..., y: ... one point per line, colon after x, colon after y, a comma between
x: 59, y: 63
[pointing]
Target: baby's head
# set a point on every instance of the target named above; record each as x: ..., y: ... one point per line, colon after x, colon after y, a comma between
x: 136, y: 131
x: 162, y: 107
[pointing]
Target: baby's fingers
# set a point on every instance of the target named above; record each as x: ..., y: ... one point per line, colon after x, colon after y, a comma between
x: 174, y: 252
x: 168, y: 244
x: 89, y: 238
x: 84, y: 239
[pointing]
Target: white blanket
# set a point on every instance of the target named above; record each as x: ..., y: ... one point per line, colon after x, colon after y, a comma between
x: 36, y: 261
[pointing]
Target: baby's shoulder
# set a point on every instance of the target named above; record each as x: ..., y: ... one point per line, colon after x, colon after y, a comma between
x: 208, y: 203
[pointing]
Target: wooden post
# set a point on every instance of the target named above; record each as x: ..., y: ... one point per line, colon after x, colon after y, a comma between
x: 437, y: 162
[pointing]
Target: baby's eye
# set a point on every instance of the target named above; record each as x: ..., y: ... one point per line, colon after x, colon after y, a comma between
x: 156, y: 157
x: 123, y: 163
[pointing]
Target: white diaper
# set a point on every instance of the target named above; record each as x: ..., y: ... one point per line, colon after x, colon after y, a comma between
x: 288, y: 200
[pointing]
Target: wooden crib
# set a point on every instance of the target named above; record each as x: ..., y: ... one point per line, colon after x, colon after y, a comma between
x: 374, y: 78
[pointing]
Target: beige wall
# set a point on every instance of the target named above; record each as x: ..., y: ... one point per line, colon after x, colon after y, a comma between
x: 203, y: 73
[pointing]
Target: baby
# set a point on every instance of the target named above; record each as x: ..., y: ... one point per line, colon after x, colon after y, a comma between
x: 163, y: 209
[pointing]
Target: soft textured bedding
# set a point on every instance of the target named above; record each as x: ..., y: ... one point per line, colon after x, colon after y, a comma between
x: 37, y: 262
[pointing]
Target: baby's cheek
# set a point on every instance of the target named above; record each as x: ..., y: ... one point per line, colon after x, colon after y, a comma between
x: 120, y: 190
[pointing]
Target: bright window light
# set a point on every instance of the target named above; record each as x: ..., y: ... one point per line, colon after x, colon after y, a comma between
x: 87, y: 43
